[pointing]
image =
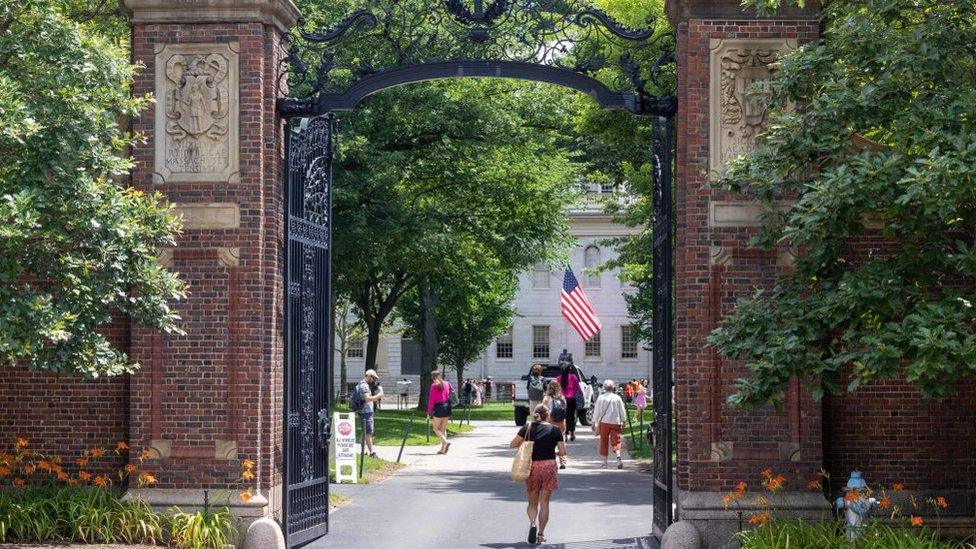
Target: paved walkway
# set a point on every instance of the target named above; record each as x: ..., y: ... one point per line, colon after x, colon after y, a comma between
x: 466, y: 499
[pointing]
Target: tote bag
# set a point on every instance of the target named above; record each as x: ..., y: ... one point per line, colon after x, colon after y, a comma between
x: 522, y: 466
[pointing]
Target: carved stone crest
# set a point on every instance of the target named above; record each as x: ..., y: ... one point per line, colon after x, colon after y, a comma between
x: 197, y: 115
x: 737, y: 110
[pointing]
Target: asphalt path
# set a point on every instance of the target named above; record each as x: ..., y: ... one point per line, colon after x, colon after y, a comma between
x: 466, y: 499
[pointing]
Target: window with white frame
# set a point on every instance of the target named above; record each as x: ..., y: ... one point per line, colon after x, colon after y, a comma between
x: 540, y: 275
x: 591, y: 260
x: 592, y: 347
x: 607, y: 188
x: 503, y: 345
x: 540, y: 342
x: 628, y: 343
x: 354, y: 348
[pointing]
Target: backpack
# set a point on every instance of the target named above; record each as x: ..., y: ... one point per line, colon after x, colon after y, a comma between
x: 356, y: 400
x: 558, y: 411
x: 453, y: 398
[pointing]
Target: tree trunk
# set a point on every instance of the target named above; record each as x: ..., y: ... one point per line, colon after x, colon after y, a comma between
x: 428, y: 341
x: 342, y: 328
x: 373, y: 330
x: 459, y: 368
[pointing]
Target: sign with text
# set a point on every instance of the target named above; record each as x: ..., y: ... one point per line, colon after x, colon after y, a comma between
x: 345, y: 446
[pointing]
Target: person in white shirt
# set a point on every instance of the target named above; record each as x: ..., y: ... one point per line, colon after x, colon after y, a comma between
x: 609, y: 415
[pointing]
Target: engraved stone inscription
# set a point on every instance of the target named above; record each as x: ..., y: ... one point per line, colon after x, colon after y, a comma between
x: 197, y: 113
x: 737, y: 111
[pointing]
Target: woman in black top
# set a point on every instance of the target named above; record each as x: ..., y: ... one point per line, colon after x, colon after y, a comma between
x: 543, y: 479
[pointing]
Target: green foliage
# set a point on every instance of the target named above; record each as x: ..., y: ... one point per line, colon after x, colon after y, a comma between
x: 426, y: 173
x: 75, y: 514
x: 75, y: 245
x: 797, y: 534
x: 885, y: 132
x: 206, y: 529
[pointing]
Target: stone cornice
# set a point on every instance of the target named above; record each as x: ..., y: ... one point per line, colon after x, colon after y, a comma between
x: 682, y: 10
x: 281, y: 13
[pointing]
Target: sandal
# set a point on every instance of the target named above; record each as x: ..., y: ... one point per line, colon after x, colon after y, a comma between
x: 448, y: 447
x: 532, y: 536
x: 540, y: 538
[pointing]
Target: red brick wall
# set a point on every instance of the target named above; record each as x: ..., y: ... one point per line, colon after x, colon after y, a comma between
x: 888, y: 432
x: 221, y: 380
x: 705, y: 293
x: 65, y: 415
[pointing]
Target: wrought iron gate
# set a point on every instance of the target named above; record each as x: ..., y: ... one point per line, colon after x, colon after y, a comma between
x: 308, y: 329
x: 389, y: 43
x: 662, y: 322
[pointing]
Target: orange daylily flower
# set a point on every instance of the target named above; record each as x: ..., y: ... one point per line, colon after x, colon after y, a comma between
x: 19, y: 482
x: 146, y: 479
x: 4, y: 471
x: 916, y: 521
x: 941, y: 502
x: 728, y: 498
x: 851, y: 496
x: 101, y: 480
x: 22, y: 443
x: 28, y: 469
x: 130, y: 468
x: 246, y: 495
x: 767, y: 472
x: 741, y: 487
x: 760, y: 518
x: 84, y: 475
x: 82, y: 462
x: 884, y: 502
x: 247, y: 464
x: 897, y: 487
x: 121, y: 446
x: 6, y: 459
x: 773, y: 484
x: 62, y: 475
x: 247, y: 475
x: 44, y: 465
x: 814, y: 485
x: 96, y: 452
x: 145, y: 455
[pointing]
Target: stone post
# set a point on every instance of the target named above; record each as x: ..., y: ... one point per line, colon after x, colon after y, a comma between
x: 722, y: 50
x: 206, y: 400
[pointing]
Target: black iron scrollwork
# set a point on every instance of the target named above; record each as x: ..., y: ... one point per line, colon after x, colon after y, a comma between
x: 325, y: 429
x: 390, y: 35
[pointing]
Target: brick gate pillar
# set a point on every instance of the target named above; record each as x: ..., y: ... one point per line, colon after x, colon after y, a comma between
x: 206, y: 400
x: 721, y: 51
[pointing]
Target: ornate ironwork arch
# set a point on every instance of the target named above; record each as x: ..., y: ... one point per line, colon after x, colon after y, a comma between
x: 395, y: 42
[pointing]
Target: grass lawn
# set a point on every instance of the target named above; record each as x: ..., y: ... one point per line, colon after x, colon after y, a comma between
x: 493, y: 411
x: 391, y: 424
x: 374, y: 469
x: 641, y: 451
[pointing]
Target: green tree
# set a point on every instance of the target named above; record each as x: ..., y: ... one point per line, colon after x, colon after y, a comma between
x: 76, y: 246
x: 883, y: 131
x: 421, y: 169
x: 474, y: 305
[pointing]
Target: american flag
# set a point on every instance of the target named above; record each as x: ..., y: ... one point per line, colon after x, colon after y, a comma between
x: 576, y: 307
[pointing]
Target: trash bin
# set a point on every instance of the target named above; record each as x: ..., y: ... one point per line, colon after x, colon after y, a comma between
x: 521, y: 414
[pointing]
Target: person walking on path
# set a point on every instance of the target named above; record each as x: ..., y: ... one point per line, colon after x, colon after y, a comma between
x: 609, y: 415
x: 367, y: 398
x: 570, y: 383
x: 543, y: 479
x: 556, y: 403
x: 536, y: 386
x: 640, y: 399
x: 439, y: 408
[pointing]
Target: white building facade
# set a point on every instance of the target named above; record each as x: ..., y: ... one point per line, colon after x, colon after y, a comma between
x: 539, y: 332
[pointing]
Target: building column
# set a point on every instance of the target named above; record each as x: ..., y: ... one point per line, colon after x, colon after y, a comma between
x: 721, y: 51
x: 208, y: 399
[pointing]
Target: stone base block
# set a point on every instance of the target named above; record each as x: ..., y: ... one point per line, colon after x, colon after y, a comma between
x: 717, y: 524
x: 192, y: 500
x: 264, y: 533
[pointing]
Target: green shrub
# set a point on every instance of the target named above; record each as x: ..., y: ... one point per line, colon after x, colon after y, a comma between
x: 206, y: 529
x: 796, y: 534
x: 76, y: 514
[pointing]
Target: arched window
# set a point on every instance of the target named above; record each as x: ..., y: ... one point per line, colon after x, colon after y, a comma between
x: 591, y: 260
x: 540, y: 276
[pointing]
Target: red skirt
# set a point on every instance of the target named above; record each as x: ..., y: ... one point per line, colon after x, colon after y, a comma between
x: 543, y: 476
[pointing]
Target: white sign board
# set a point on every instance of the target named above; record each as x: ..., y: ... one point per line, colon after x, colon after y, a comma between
x: 345, y: 446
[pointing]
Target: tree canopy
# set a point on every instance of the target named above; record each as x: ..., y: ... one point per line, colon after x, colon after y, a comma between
x: 882, y: 133
x: 76, y: 246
